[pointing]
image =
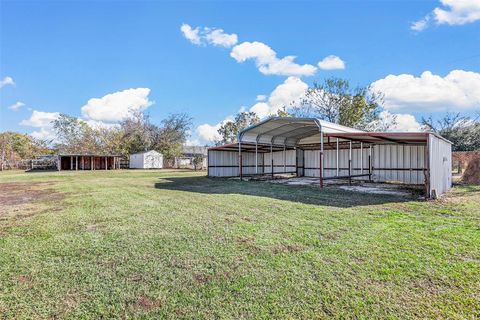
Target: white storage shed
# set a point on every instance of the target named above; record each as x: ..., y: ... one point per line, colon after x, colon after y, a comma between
x: 146, y: 160
x: 315, y: 148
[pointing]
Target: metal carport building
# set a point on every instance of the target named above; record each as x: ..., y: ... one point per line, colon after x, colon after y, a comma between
x: 315, y: 148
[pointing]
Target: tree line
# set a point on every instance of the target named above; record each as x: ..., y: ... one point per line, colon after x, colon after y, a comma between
x: 134, y: 134
x: 333, y: 100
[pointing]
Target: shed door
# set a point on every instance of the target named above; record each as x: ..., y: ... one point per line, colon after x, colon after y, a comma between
x: 149, y: 161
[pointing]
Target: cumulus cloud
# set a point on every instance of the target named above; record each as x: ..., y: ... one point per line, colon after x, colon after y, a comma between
x: 218, y: 37
x: 453, y: 12
x: 331, y: 62
x: 42, y: 121
x: 7, y: 81
x: 115, y: 107
x: 400, y: 122
x: 420, y: 24
x: 192, y: 35
x: 17, y: 105
x: 261, y: 97
x: 264, y: 57
x: 286, y: 94
x: 206, y: 35
x: 207, y: 133
x: 459, y: 90
x: 267, y: 61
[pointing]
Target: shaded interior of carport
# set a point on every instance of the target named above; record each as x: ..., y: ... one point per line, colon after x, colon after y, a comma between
x: 314, y: 148
x: 87, y: 162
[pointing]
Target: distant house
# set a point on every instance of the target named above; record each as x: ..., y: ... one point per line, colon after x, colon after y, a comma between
x: 188, y: 154
x: 146, y: 160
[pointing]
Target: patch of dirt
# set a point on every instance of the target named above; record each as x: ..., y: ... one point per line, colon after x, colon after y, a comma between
x: 248, y: 242
x: 23, y: 200
x: 377, y: 190
x: 23, y: 278
x: 15, y: 193
x: 148, y: 304
x: 286, y: 248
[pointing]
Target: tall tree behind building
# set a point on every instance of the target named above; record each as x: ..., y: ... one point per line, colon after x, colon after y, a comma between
x: 229, y: 130
x: 335, y: 101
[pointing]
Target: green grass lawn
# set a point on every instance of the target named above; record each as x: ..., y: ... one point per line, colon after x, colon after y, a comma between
x: 165, y: 244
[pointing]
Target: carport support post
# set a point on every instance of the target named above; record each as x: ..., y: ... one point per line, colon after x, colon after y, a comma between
x: 350, y: 163
x: 256, y: 157
x: 271, y: 157
x: 370, y: 164
x: 284, y: 160
x: 106, y: 164
x: 240, y: 173
x: 92, y: 163
x: 71, y: 162
x: 321, y: 157
x: 361, y: 157
x: 338, y: 168
x: 76, y: 163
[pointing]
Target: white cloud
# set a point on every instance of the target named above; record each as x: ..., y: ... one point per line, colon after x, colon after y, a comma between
x: 206, y: 35
x: 458, y: 12
x: 207, y: 133
x: 262, y: 109
x: 218, y: 37
x: 420, y: 24
x: 6, y: 81
x: 331, y: 63
x: 458, y: 90
x: 400, y: 122
x: 261, y: 97
x: 454, y: 12
x: 193, y: 35
x: 115, y: 107
x: 43, y: 122
x: 99, y: 124
x: 287, y: 94
x: 17, y: 105
x: 267, y: 61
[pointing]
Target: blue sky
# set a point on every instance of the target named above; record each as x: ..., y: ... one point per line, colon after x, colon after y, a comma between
x: 57, y: 56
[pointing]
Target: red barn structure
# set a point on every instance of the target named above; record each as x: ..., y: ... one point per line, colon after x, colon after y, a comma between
x: 87, y: 162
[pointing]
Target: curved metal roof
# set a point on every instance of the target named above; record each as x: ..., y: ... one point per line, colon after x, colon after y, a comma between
x: 290, y: 131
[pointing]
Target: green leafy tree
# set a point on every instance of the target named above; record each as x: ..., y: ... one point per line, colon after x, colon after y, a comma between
x: 230, y: 129
x: 283, y: 112
x: 171, y: 135
x: 198, y: 161
x: 74, y: 135
x: 335, y: 101
x: 138, y: 133
x: 15, y: 147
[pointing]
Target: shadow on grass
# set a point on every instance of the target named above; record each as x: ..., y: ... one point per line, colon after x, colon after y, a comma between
x: 328, y: 196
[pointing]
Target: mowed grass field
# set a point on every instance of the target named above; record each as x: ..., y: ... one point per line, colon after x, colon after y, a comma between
x: 172, y: 244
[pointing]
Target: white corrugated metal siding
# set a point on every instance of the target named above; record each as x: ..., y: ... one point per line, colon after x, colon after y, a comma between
x: 408, y: 160
x: 440, y: 165
x: 279, y: 158
x: 225, y: 163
